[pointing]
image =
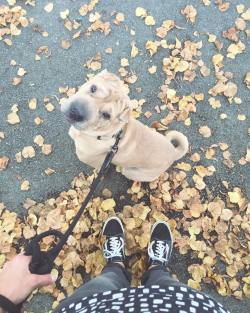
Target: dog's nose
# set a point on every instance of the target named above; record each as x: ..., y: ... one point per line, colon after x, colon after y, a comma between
x: 77, y: 112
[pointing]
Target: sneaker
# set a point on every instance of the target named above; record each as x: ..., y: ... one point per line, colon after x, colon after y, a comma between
x: 113, y: 249
x: 161, y: 244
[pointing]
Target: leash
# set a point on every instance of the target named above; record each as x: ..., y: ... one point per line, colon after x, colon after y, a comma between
x: 42, y: 261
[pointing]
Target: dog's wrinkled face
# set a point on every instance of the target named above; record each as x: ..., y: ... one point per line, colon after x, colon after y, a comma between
x: 98, y: 103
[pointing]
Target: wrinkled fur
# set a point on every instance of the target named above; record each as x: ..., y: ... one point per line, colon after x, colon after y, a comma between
x: 144, y: 154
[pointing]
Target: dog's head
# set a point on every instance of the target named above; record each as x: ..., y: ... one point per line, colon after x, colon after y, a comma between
x: 101, y: 101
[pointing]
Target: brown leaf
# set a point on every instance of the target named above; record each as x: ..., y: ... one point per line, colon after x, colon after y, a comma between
x: 4, y: 160
x: 46, y: 149
x: 66, y: 44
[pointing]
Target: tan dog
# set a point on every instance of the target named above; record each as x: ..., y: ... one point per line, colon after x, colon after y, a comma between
x: 97, y: 112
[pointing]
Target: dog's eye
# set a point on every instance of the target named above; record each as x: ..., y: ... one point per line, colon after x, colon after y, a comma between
x: 106, y: 115
x: 93, y: 88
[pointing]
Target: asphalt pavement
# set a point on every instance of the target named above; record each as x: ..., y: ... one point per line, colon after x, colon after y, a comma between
x: 65, y: 68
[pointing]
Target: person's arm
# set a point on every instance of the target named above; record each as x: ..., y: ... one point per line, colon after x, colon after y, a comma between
x: 16, y: 281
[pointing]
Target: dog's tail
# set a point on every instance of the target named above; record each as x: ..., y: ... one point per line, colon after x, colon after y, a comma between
x: 179, y: 141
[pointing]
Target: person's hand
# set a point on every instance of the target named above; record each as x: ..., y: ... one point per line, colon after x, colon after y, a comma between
x: 16, y: 281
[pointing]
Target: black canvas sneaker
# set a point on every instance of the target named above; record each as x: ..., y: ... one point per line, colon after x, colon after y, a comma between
x: 113, y: 249
x: 161, y: 244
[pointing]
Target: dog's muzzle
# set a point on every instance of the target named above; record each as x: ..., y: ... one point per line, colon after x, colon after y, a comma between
x: 77, y: 112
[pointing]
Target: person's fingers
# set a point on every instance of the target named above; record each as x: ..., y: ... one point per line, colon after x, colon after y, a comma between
x: 42, y: 280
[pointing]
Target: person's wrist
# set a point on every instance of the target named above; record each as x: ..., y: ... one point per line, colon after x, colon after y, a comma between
x: 8, y: 306
x: 7, y: 292
x: 8, y: 295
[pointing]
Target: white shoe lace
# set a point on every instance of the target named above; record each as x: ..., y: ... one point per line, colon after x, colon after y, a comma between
x: 115, y: 249
x: 159, y: 252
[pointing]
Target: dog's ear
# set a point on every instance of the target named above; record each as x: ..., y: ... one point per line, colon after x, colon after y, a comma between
x: 105, y: 74
x: 125, y: 113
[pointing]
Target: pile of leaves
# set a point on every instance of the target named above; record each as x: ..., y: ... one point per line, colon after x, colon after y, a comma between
x: 12, y: 19
x: 212, y: 228
x: 214, y: 232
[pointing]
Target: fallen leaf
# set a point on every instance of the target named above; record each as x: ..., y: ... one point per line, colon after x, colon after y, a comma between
x: 66, y: 44
x: 21, y: 72
x: 149, y: 20
x: 230, y: 89
x: 190, y: 12
x: 235, y: 49
x: 224, y: 6
x: 124, y: 62
x: 152, y: 69
x: 205, y: 131
x: 4, y: 161
x: 134, y: 50
x: 64, y: 14
x: 240, y: 8
x: 28, y: 152
x: 140, y: 12
x: 13, y: 118
x: 25, y: 185
x: 246, y: 15
x: 32, y: 104
x: 39, y: 140
x: 119, y: 18
x: 38, y: 120
x: 49, y: 7
x: 49, y: 107
x: 46, y: 149
x: 49, y: 171
x: 16, y: 81
x: 240, y: 24
x: 108, y: 204
x: 247, y: 80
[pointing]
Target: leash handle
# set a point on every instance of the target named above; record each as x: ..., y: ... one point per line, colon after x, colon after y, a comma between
x: 42, y: 261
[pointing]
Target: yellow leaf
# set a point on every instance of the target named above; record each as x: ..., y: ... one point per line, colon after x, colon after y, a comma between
x: 246, y: 15
x: 108, y: 204
x: 246, y: 290
x: 205, y: 131
x: 149, y: 20
x: 32, y: 103
x: 49, y: 7
x: 13, y: 118
x: 47, y: 149
x: 39, y: 140
x: 28, y: 152
x: 64, y: 14
x: 217, y: 59
x: 134, y: 50
x: 124, y: 62
x: 21, y: 72
x: 234, y: 197
x: 184, y: 166
x: 3, y: 162
x: 25, y: 185
x: 140, y: 12
x: 194, y: 284
x: 152, y: 69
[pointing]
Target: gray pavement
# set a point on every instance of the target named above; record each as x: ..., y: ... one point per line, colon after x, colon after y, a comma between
x: 65, y: 67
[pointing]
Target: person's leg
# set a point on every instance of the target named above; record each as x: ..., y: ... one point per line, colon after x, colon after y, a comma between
x: 159, y: 275
x: 159, y: 252
x: 114, y: 275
